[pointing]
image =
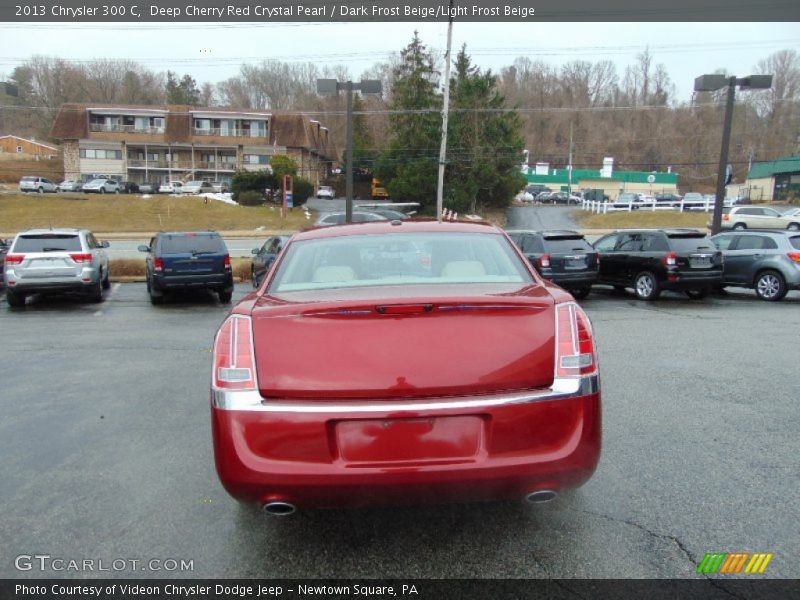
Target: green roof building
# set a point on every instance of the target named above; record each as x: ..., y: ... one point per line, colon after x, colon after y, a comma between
x: 774, y: 180
x: 611, y: 182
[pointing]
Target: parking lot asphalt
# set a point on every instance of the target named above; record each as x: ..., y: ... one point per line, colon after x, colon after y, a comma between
x: 106, y: 453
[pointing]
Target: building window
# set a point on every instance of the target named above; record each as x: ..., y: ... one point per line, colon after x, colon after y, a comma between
x: 256, y: 159
x: 19, y: 149
x: 101, y: 154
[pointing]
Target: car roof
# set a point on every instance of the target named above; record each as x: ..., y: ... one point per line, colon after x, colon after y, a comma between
x: 192, y: 233
x: 548, y: 233
x: 775, y: 232
x: 377, y: 227
x: 61, y: 230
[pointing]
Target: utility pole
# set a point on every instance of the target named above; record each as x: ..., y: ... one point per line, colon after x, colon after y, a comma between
x: 569, y: 185
x: 445, y: 113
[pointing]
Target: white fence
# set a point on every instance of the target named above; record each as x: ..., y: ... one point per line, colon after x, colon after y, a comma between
x: 605, y: 207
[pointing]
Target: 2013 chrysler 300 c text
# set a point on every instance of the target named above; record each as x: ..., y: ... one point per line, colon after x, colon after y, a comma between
x: 403, y: 362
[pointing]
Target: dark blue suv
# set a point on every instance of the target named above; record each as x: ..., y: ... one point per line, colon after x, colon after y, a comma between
x: 188, y: 260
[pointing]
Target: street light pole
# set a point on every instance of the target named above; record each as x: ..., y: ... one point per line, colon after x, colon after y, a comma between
x: 710, y: 83
x: 365, y: 86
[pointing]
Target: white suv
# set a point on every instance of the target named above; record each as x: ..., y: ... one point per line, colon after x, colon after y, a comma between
x: 37, y: 184
x: 55, y: 260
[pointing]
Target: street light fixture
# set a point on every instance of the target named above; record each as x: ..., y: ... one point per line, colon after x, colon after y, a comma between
x: 365, y: 86
x: 711, y: 83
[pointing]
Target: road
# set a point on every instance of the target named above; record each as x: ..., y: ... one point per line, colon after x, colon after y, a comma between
x: 106, y: 453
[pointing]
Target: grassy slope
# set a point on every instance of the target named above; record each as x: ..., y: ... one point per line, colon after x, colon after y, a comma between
x: 640, y: 218
x: 112, y: 213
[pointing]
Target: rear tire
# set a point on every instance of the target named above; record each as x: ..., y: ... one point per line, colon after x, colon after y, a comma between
x: 770, y: 286
x: 105, y: 282
x: 739, y: 227
x: 697, y: 294
x: 225, y: 296
x: 40, y: 190
x: 646, y: 286
x: 96, y: 292
x: 156, y: 297
x: 581, y: 293
x: 15, y: 299
x: 102, y: 190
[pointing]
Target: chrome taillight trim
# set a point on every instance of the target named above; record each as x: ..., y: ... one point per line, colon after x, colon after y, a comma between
x: 563, y: 388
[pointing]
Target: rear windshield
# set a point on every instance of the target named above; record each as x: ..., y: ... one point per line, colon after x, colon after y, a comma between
x: 192, y: 244
x: 690, y: 244
x: 795, y: 242
x: 48, y: 242
x: 567, y: 245
x: 398, y: 259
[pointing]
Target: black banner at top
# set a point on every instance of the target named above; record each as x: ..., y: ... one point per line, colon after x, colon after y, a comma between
x: 210, y: 11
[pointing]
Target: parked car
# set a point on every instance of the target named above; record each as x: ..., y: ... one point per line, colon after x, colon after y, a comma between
x: 768, y: 262
x: 545, y: 197
x: 173, y: 187
x: 756, y: 217
x: 792, y: 212
x: 693, y: 201
x: 338, y: 218
x: 264, y: 256
x: 392, y: 215
x: 4, y: 246
x: 627, y: 200
x: 71, y: 185
x: 405, y: 402
x: 673, y: 200
x: 535, y: 189
x: 148, y: 187
x: 563, y: 257
x: 55, y: 260
x: 326, y: 191
x: 101, y: 186
x: 128, y: 187
x: 564, y: 198
x: 37, y: 184
x: 650, y: 261
x: 188, y: 260
x: 220, y: 187
x: 196, y: 188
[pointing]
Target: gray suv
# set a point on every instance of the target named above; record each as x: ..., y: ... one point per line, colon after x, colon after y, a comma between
x: 767, y: 261
x: 55, y: 260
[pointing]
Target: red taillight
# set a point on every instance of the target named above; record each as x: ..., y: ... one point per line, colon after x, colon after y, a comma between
x: 794, y: 256
x: 14, y: 259
x: 670, y: 259
x: 543, y: 261
x: 158, y: 264
x: 726, y: 217
x: 575, y: 353
x: 227, y: 261
x: 234, y: 356
x: 81, y: 258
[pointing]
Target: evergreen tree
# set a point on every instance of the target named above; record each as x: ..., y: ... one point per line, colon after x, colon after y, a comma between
x: 408, y: 167
x: 182, y: 92
x: 485, y: 144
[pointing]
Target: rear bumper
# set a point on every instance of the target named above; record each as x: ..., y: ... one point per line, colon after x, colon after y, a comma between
x: 297, y: 452
x: 573, y: 280
x: 685, y: 280
x: 177, y: 282
x: 81, y: 282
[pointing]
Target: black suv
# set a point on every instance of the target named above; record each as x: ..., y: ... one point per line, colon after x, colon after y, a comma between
x: 651, y: 260
x: 563, y: 257
x: 188, y: 260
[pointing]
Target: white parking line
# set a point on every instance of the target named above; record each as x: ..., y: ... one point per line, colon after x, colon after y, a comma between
x: 111, y: 292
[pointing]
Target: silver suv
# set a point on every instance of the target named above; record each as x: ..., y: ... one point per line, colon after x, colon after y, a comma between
x: 55, y: 260
x: 37, y: 184
x: 768, y: 262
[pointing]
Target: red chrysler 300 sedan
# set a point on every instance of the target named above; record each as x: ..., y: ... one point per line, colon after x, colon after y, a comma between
x: 403, y: 362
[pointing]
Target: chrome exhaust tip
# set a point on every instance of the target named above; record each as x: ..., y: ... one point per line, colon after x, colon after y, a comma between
x: 279, y: 508
x: 540, y: 496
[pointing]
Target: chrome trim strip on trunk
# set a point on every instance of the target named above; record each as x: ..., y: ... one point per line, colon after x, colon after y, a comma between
x: 250, y: 400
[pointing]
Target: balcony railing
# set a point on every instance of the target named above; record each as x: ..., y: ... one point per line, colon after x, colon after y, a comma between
x: 228, y: 132
x: 181, y: 165
x: 102, y: 128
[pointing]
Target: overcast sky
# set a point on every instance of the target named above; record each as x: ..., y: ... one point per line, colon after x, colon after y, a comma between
x: 213, y: 52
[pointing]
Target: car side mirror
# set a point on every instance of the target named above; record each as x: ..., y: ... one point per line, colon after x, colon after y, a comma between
x: 144, y: 248
x: 255, y: 250
x: 104, y: 244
